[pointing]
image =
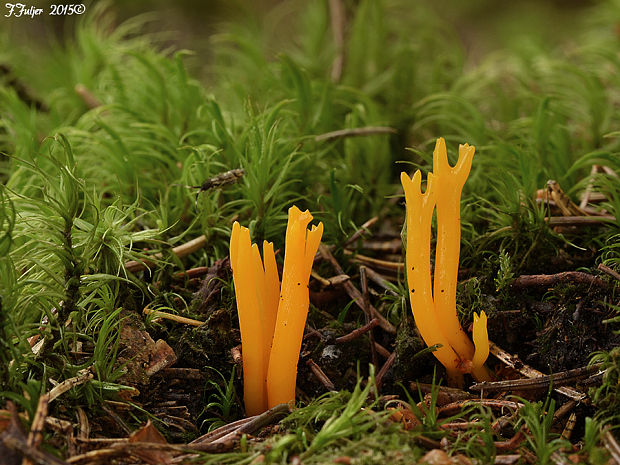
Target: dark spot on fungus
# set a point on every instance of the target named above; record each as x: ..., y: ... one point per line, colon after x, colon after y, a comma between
x: 412, y: 291
x: 299, y: 284
x: 442, y: 290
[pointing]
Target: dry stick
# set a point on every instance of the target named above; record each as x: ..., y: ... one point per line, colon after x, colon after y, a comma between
x: 358, y: 332
x: 384, y: 264
x: 337, y: 20
x: 257, y: 422
x: 380, y: 281
x: 557, y: 379
x: 220, y: 432
x: 567, y: 432
x: 354, y: 293
x: 384, y: 369
x: 529, y: 372
x: 456, y: 407
x: 605, y: 269
x: 564, y: 409
x: 320, y: 278
x: 585, y: 198
x: 338, y: 279
x: 35, y: 436
x: 171, y: 316
x: 578, y: 220
x: 445, y: 395
x: 507, y: 459
x: 20, y: 445
x: 382, y: 350
x: 191, y: 273
x: 310, y: 331
x: 545, y: 280
x: 129, y: 448
x: 180, y: 251
x: 83, y: 377
x: 354, y: 132
x: 87, y: 96
x: 611, y: 445
x: 363, y: 228
x: 84, y: 425
x: 321, y: 376
x: 367, y: 315
x: 119, y: 421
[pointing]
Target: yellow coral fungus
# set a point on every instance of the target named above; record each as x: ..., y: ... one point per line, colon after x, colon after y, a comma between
x: 481, y: 342
x: 255, y: 320
x: 271, y: 320
x: 418, y: 262
x: 435, y: 311
x: 301, y: 246
x: 450, y: 183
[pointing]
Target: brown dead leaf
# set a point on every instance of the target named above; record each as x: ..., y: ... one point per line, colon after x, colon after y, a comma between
x: 148, y: 433
x: 141, y: 356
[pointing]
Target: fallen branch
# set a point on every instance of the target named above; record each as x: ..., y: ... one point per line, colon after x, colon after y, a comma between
x: 355, y: 132
x: 547, y: 280
x: 515, y: 363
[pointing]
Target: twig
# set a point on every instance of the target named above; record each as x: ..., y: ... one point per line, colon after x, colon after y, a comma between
x: 367, y: 314
x: 585, y: 198
x: 35, y: 436
x: 456, y: 407
x: 220, y: 432
x: 384, y: 369
x: 180, y: 251
x: 310, y: 331
x: 253, y: 424
x: 354, y: 293
x: 320, y: 278
x: 14, y: 439
x: 363, y: 228
x: 20, y: 445
x: 611, y: 445
x: 119, y: 421
x: 173, y: 317
x: 191, y: 273
x: 579, y: 220
x: 354, y: 132
x: 383, y: 264
x: 557, y: 379
x: 567, y: 432
x: 507, y: 459
x: 564, y: 409
x: 84, y: 425
x: 87, y: 96
x: 83, y: 376
x: 445, y: 395
x: 609, y: 271
x: 382, y: 350
x: 529, y: 372
x: 546, y: 280
x: 381, y: 281
x: 321, y: 376
x: 337, y: 20
x: 358, y: 332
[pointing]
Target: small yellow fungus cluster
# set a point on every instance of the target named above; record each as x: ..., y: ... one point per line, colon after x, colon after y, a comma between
x: 272, y: 317
x: 434, y: 304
